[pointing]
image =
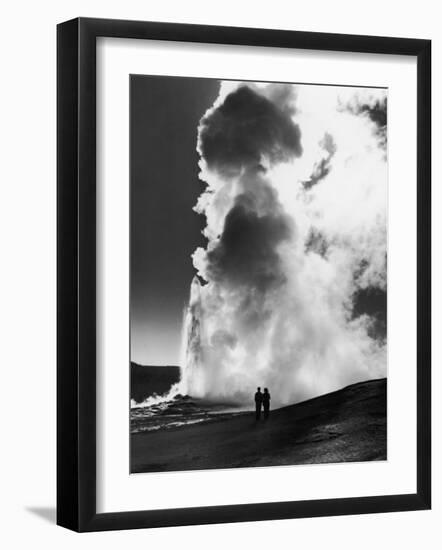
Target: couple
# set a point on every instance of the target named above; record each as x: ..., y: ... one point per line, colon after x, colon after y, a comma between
x: 262, y: 400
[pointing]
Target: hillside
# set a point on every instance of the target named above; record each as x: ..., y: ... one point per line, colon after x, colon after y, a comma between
x: 147, y: 380
x: 348, y: 425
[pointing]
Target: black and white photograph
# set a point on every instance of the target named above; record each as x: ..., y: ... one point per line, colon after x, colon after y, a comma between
x: 220, y: 316
x: 258, y: 273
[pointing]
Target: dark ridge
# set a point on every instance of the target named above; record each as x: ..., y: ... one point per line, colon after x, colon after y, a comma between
x: 147, y: 380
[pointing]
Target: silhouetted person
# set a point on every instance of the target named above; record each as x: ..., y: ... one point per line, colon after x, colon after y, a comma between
x: 258, y: 403
x: 266, y: 403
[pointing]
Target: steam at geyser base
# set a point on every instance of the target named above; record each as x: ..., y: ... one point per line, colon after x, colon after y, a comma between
x: 295, y: 205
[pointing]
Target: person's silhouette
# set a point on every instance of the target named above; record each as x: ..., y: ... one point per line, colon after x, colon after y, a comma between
x: 258, y: 403
x: 266, y: 403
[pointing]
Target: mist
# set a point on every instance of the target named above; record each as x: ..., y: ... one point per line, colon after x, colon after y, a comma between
x: 290, y: 291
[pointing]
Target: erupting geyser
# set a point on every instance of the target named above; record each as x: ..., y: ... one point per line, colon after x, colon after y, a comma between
x: 191, y: 352
x: 295, y: 204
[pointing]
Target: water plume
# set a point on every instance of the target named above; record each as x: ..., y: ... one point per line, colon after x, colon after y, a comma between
x: 295, y: 209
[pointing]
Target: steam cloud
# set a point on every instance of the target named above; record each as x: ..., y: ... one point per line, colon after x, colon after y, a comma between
x: 291, y: 287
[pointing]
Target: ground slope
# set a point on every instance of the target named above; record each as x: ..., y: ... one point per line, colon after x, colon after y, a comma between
x: 346, y: 425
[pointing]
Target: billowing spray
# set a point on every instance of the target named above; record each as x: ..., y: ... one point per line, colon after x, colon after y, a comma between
x: 295, y: 205
x: 192, y: 378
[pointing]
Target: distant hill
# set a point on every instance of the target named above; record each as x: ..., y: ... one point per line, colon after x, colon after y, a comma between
x: 147, y: 380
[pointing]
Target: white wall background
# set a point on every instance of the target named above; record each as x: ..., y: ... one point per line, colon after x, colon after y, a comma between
x: 27, y: 275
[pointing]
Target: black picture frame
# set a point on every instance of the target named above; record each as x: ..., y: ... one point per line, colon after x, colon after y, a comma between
x: 76, y: 274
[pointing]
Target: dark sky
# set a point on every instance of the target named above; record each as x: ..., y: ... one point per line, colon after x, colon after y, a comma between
x: 164, y: 115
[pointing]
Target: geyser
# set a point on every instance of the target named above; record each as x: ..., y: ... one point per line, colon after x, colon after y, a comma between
x: 295, y: 207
